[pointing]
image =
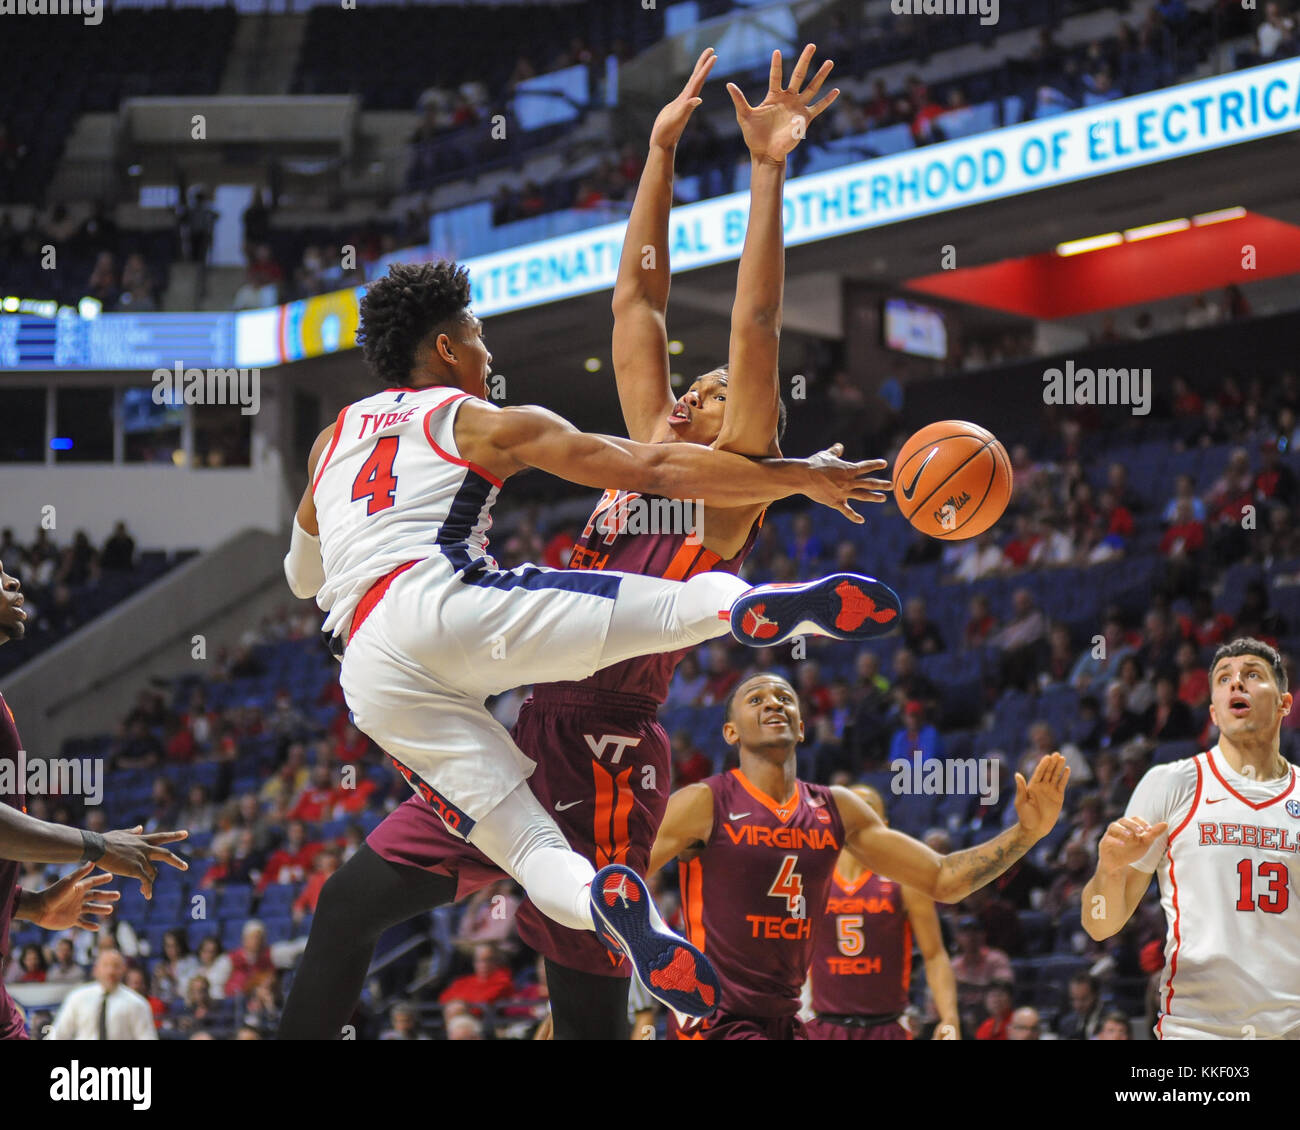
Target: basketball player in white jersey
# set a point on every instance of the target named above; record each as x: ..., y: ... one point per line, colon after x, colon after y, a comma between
x: 1222, y: 830
x: 390, y: 537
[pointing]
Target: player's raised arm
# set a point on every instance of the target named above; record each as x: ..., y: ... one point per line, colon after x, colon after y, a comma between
x: 506, y: 440
x: 640, y: 344
x: 924, y: 920
x: 688, y: 820
x: 950, y: 878
x: 1116, y: 887
x: 771, y: 130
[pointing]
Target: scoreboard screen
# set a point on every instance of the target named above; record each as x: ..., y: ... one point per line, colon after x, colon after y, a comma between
x: 117, y: 341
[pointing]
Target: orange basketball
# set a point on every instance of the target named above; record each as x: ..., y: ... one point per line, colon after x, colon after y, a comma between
x: 952, y: 480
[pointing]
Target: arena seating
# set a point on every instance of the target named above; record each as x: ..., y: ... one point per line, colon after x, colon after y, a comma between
x: 980, y: 715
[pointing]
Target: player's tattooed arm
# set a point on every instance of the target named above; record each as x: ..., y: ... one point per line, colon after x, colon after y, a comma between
x: 950, y: 878
x: 640, y: 342
x: 938, y: 968
x: 688, y: 822
x: 771, y: 130
x: 1116, y: 887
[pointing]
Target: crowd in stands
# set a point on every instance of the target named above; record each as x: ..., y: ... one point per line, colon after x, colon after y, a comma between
x: 67, y: 258
x: 66, y: 585
x: 278, y: 788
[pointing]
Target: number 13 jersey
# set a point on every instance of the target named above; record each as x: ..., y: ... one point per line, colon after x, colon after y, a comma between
x: 1228, y: 874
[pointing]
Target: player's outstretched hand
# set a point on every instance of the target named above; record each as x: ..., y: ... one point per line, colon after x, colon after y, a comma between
x: 672, y: 119
x: 1038, y: 803
x: 1126, y: 841
x: 75, y: 900
x: 776, y: 125
x: 133, y: 855
x: 836, y: 483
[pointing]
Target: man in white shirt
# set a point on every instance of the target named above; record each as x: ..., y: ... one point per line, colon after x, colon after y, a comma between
x: 105, y: 1009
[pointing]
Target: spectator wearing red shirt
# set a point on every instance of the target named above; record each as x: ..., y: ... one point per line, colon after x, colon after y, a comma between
x: 722, y: 676
x: 250, y: 964
x: 1119, y: 519
x: 490, y: 981
x: 533, y: 999
x: 32, y: 965
x: 1187, y: 402
x: 1016, y: 552
x: 976, y: 968
x: 558, y: 550
x: 136, y: 981
x: 348, y: 801
x: 293, y: 861
x: 1205, y: 627
x: 981, y: 624
x: 326, y: 863
x: 180, y: 743
x: 1185, y: 535
x: 998, y: 1003
x: 689, y: 763
x: 1193, y: 681
x: 351, y: 746
x: 315, y: 801
x: 1275, y: 481
x: 1233, y: 490
x: 926, y: 109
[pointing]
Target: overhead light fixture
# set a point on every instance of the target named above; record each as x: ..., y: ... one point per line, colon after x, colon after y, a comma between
x: 1092, y: 243
x: 1150, y: 231
x: 592, y: 364
x: 1222, y: 216
x: 675, y: 347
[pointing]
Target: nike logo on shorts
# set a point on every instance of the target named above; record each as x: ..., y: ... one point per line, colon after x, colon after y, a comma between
x: 563, y: 807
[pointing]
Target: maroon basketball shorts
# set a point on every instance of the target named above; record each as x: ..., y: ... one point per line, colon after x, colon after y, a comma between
x: 825, y: 1029
x: 723, y: 1026
x: 603, y: 773
x: 12, y: 1025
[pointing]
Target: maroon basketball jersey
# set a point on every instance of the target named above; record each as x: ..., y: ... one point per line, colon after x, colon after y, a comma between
x: 752, y: 897
x: 862, y: 949
x: 10, y: 744
x: 617, y: 536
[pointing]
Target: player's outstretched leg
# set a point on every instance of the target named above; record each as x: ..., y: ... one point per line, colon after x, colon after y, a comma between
x: 672, y: 970
x: 844, y: 606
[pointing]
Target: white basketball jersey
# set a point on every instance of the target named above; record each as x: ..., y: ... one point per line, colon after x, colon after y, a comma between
x: 1229, y: 873
x: 392, y: 488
